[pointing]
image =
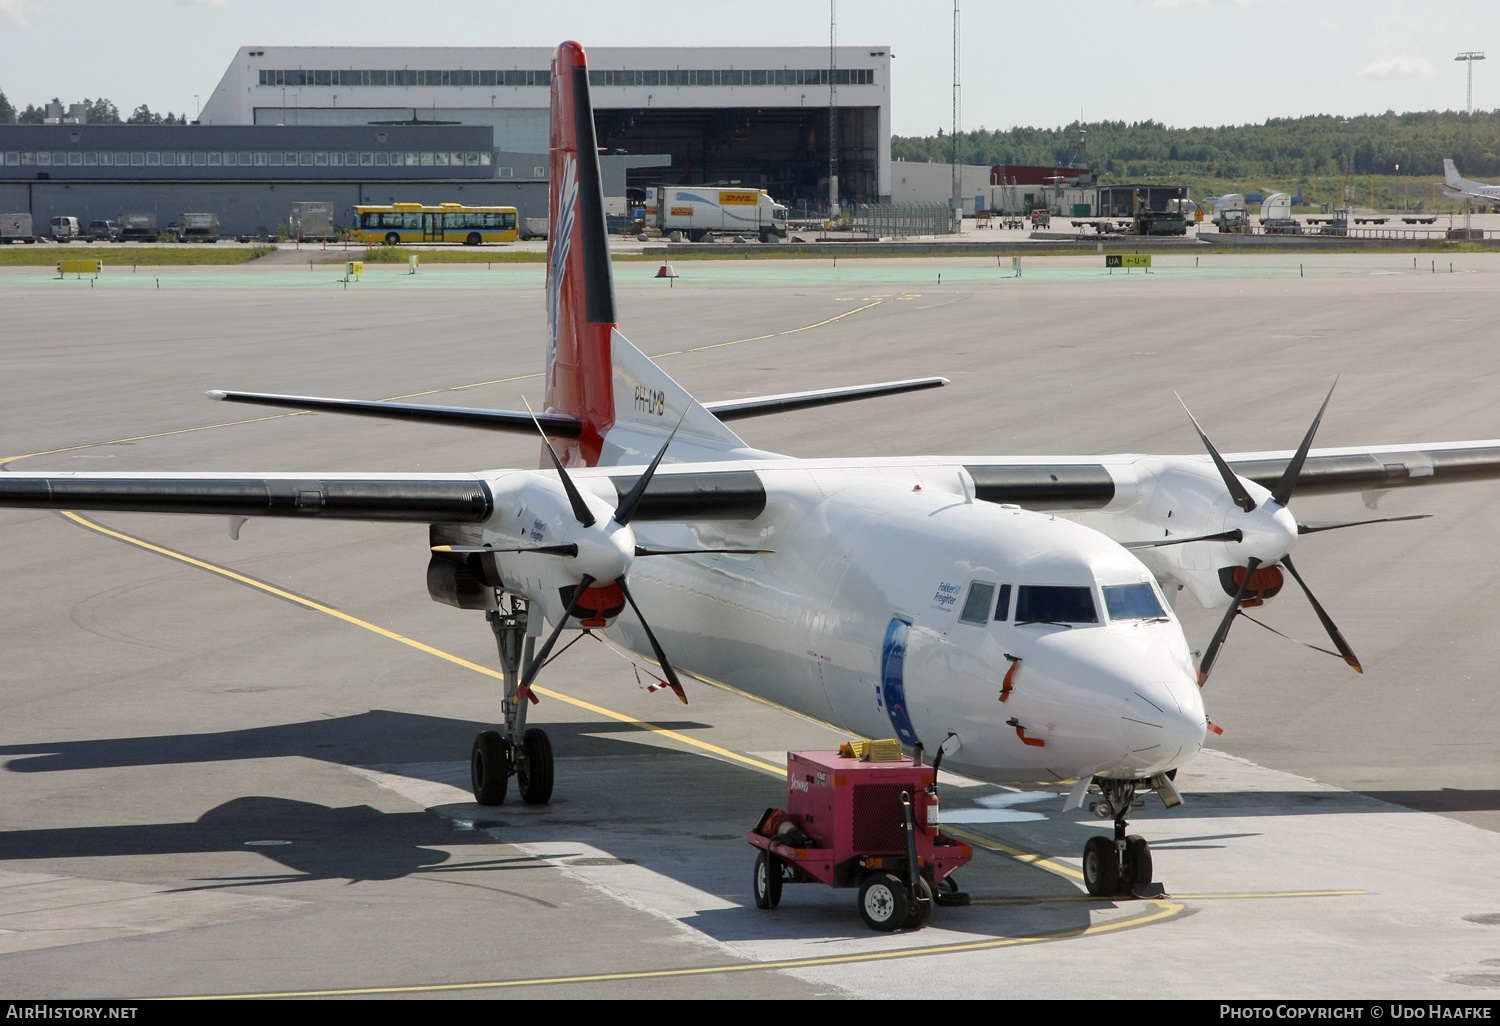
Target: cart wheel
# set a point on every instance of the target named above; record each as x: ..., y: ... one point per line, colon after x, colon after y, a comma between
x: 921, y: 910
x: 883, y: 903
x: 767, y: 881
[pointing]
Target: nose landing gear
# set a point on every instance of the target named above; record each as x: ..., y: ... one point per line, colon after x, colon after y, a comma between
x: 1121, y: 865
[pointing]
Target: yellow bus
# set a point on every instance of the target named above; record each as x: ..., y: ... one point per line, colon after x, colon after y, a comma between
x: 447, y: 222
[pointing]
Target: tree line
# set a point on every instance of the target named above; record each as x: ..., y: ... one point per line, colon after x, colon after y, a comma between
x: 100, y: 112
x: 1414, y: 143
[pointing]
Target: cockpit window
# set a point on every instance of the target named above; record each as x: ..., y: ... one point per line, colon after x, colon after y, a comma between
x: 1132, y: 602
x: 1039, y: 603
x: 1002, y: 604
x: 977, y: 606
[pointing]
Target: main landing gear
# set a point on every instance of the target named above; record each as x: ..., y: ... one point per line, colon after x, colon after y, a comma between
x: 519, y: 750
x: 1113, y: 867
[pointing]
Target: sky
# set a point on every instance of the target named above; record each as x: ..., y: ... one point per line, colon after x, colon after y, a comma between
x: 1179, y: 62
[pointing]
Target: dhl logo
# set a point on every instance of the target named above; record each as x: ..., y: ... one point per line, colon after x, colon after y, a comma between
x: 739, y: 199
x: 682, y: 211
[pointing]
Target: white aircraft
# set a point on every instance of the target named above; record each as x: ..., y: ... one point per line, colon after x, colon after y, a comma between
x: 1459, y: 187
x: 1010, y: 613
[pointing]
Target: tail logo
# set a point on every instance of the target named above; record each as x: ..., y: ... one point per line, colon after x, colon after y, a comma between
x: 562, y: 240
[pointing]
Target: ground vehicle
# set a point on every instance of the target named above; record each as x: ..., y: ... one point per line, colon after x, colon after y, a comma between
x: 534, y: 228
x: 1230, y: 214
x: 447, y: 222
x: 65, y: 229
x: 311, y: 219
x: 16, y: 228
x: 198, y: 228
x: 138, y: 228
x: 701, y: 211
x: 103, y: 231
x: 870, y: 823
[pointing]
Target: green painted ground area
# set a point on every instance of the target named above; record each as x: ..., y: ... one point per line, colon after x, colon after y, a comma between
x: 718, y: 273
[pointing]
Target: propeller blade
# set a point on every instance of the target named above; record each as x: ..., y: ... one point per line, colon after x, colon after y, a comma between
x: 581, y: 511
x: 569, y: 549
x: 541, y: 656
x: 646, y: 550
x: 1211, y: 653
x: 1234, y: 536
x: 1314, y: 526
x: 661, y: 657
x: 1236, y: 487
x: 1282, y: 493
x: 627, y: 506
x: 1327, y: 621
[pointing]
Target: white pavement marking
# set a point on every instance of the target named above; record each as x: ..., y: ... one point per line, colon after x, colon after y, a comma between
x: 640, y: 888
x: 813, y: 922
x: 429, y: 784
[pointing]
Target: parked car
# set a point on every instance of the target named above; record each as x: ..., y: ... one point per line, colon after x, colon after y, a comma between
x: 103, y: 231
x: 65, y: 229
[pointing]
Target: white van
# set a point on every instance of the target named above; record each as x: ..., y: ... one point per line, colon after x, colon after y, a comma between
x: 65, y: 228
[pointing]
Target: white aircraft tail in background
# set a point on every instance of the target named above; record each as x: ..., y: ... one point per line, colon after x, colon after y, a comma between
x: 1459, y: 187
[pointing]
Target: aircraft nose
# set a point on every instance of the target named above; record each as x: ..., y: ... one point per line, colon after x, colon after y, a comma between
x: 1163, y: 724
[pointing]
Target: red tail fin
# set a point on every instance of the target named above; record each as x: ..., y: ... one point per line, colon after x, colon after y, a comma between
x: 580, y: 288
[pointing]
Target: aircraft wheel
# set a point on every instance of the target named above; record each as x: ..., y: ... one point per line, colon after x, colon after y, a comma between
x: 883, y: 904
x: 534, y: 767
x: 767, y: 881
x: 489, y: 767
x: 1101, y: 867
x: 921, y: 910
x: 1137, y: 869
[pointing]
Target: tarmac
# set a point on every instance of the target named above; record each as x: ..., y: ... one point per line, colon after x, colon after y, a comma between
x: 239, y: 767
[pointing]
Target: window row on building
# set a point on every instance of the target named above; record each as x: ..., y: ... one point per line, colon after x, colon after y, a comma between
x: 215, y: 158
x: 404, y: 77
x: 734, y: 77
x: 671, y: 77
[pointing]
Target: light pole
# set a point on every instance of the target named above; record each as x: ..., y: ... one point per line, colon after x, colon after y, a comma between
x: 1469, y: 57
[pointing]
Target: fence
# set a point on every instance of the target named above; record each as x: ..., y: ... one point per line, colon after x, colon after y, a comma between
x: 893, y: 220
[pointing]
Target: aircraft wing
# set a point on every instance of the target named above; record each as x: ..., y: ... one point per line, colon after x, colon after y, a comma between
x: 1375, y: 468
x: 427, y: 499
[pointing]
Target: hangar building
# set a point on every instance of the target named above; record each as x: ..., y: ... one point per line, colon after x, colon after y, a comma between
x: 752, y: 115
x: 361, y: 124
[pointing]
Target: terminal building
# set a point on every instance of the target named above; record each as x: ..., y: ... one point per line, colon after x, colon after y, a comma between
x: 466, y: 124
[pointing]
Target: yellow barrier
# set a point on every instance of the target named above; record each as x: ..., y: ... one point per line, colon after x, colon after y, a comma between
x: 79, y: 267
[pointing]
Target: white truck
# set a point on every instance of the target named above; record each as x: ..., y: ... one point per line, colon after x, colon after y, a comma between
x: 16, y: 228
x: 701, y: 211
x: 198, y: 228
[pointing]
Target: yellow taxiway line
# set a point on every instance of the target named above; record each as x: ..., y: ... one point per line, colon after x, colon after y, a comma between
x: 1160, y: 909
x: 271, y: 589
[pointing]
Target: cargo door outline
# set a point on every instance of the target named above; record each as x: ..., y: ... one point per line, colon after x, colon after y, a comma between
x: 893, y: 680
